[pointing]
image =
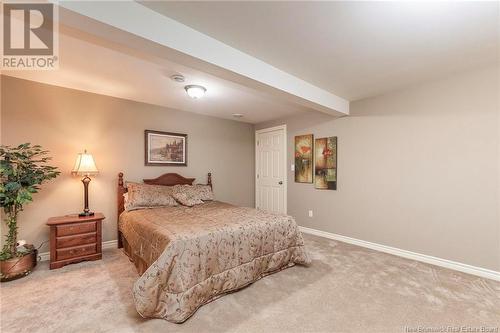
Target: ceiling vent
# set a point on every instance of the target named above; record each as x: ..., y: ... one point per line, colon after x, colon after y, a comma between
x: 178, y: 78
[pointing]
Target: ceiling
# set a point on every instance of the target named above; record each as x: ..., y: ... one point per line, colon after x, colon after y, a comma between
x: 92, y: 64
x: 352, y: 49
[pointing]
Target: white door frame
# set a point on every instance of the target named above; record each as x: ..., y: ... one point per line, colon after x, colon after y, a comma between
x: 285, y: 162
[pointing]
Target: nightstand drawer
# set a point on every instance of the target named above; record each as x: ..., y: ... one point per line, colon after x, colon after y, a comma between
x: 69, y: 241
x: 75, y: 228
x: 76, y: 251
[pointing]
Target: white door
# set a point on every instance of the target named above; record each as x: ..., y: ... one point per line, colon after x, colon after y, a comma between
x: 270, y: 168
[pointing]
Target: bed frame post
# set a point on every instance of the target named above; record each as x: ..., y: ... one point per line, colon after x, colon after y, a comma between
x: 209, y: 181
x: 121, y: 208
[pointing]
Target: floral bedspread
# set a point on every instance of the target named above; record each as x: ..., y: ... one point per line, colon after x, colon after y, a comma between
x: 195, y: 255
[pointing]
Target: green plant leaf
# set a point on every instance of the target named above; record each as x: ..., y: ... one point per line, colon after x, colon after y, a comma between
x: 22, y: 170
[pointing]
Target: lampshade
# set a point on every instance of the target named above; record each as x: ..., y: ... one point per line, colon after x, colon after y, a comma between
x: 85, y: 165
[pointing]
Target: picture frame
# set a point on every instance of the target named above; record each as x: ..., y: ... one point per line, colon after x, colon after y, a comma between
x: 304, y: 153
x: 165, y: 148
x: 325, y: 165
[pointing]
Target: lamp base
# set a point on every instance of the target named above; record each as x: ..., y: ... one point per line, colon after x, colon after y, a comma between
x: 84, y: 214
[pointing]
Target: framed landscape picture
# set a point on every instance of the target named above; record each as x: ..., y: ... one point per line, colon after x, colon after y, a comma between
x: 325, y: 166
x: 165, y: 148
x: 304, y: 158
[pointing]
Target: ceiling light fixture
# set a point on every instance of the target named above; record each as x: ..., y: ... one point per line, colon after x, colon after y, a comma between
x: 237, y: 115
x: 195, y: 91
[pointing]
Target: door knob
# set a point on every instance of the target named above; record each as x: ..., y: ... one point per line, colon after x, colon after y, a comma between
x: 280, y: 182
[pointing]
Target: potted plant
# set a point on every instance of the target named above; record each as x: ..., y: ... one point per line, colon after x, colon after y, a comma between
x: 22, y: 170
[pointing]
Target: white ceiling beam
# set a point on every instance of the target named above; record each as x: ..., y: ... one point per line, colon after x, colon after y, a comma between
x: 132, y: 17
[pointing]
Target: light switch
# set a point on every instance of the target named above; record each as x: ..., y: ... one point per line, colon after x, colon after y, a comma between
x: 292, y: 167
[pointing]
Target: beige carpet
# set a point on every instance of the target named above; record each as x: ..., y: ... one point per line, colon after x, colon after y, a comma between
x: 347, y: 289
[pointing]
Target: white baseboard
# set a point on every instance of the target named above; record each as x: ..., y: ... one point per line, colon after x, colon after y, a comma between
x: 478, y: 271
x: 113, y: 244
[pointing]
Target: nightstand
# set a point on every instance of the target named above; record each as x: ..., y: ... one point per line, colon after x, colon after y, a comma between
x: 74, y: 239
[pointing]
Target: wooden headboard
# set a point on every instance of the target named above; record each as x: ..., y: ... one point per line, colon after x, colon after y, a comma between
x: 167, y: 179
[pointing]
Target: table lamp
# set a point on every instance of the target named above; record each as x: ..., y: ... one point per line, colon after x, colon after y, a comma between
x: 85, y: 166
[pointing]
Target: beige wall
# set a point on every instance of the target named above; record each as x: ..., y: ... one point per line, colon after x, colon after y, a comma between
x: 417, y: 170
x: 67, y: 121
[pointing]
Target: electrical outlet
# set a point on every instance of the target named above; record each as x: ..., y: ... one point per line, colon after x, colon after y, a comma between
x: 292, y: 167
x: 310, y: 213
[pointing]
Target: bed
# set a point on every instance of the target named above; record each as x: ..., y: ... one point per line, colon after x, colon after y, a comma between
x: 189, y: 256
